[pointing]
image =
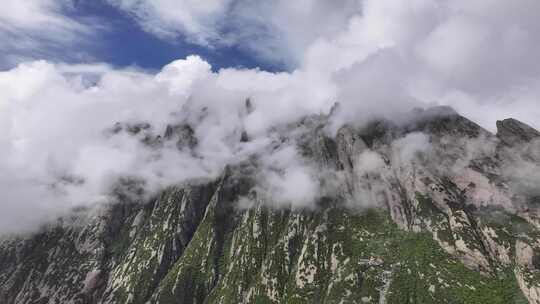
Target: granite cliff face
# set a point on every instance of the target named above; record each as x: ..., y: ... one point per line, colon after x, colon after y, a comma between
x: 442, y: 223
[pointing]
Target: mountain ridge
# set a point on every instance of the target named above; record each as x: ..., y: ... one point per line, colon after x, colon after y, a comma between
x: 430, y: 225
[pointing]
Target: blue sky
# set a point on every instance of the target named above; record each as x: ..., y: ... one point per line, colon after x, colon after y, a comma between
x: 98, y: 31
x: 124, y: 43
x: 152, y: 33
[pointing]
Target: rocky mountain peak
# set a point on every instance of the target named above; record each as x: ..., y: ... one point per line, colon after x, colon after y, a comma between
x: 513, y: 132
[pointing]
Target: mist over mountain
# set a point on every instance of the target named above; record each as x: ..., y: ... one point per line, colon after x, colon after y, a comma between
x: 391, y: 155
x: 434, y: 208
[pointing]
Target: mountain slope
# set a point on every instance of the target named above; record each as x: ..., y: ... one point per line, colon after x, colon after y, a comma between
x: 441, y: 223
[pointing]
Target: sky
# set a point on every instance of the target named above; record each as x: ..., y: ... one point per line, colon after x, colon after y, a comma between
x: 111, y: 35
x: 72, y: 70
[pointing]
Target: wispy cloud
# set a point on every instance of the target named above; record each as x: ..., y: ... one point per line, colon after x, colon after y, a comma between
x: 38, y: 29
x: 277, y: 31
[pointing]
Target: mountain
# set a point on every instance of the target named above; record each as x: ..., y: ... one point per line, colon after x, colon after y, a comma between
x: 442, y: 218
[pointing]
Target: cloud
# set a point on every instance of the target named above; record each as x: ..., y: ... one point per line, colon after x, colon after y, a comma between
x: 56, y: 153
x: 287, y: 179
x: 70, y: 133
x: 369, y: 162
x: 408, y: 148
x: 199, y: 21
x: 477, y: 56
x: 279, y: 31
x: 521, y: 168
x: 36, y: 29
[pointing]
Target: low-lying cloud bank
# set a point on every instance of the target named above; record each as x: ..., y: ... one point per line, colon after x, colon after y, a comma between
x: 69, y: 132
